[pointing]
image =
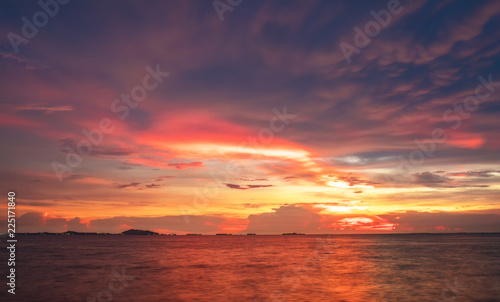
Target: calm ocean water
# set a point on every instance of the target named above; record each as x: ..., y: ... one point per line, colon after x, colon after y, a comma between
x: 452, y: 267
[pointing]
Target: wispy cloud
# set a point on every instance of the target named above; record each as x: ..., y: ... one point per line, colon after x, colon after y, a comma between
x: 180, y: 165
x: 246, y: 187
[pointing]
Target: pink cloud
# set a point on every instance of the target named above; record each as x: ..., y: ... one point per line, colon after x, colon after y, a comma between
x: 180, y: 165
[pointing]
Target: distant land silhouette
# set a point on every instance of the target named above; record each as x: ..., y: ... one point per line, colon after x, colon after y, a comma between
x: 150, y: 233
x: 128, y: 232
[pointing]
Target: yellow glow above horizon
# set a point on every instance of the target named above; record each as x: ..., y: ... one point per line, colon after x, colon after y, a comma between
x: 220, y: 149
x: 337, y: 183
x: 346, y: 208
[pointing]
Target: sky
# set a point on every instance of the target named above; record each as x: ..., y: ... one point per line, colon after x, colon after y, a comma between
x: 251, y: 116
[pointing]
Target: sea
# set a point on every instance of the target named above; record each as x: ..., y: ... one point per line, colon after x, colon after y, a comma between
x: 392, y: 267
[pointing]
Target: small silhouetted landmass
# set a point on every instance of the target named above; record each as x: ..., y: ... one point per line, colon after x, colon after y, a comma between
x: 70, y: 233
x: 73, y: 233
x: 139, y: 232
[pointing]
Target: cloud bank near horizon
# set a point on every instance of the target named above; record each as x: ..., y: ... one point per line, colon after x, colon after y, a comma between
x: 286, y: 218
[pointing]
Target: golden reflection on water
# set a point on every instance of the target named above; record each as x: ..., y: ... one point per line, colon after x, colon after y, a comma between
x: 262, y: 268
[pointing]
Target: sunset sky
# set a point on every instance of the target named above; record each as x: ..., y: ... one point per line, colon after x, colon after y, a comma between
x: 265, y: 117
